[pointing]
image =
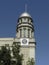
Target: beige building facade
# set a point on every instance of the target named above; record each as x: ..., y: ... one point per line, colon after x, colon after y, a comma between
x: 24, y: 36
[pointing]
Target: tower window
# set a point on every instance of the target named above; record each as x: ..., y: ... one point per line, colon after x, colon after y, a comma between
x: 28, y: 32
x: 32, y: 34
x: 20, y: 32
x: 24, y: 19
x: 24, y: 32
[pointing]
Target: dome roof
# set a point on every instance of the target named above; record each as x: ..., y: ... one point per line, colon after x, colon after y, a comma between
x: 25, y: 14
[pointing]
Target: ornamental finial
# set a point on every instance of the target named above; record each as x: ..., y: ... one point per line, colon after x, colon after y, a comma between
x: 25, y: 7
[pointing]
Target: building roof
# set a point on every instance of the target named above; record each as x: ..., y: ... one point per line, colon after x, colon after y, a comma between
x: 25, y: 14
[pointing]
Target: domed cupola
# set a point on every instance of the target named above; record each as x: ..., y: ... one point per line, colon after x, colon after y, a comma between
x: 25, y: 14
x: 25, y: 26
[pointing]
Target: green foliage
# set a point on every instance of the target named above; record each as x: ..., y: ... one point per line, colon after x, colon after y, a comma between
x: 16, y: 53
x: 5, y: 56
x: 7, y: 59
x: 31, y: 62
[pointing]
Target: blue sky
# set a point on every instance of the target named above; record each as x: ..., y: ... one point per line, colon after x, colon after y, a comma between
x: 10, y: 10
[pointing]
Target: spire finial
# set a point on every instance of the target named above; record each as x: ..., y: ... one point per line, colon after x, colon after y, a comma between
x: 25, y: 7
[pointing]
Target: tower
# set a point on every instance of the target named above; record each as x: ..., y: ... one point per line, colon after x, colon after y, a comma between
x: 25, y: 36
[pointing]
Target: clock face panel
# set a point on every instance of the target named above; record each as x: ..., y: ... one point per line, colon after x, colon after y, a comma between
x: 24, y: 41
